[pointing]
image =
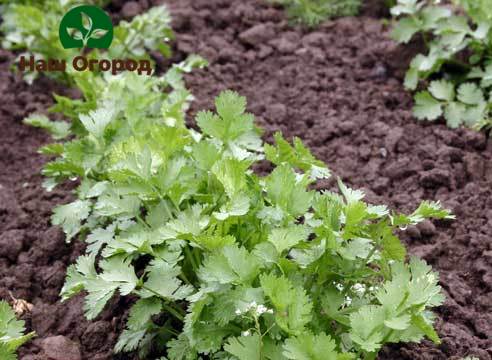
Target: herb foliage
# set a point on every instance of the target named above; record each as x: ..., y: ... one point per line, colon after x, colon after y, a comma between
x: 313, y: 12
x: 456, y: 69
x: 242, y: 266
x: 11, y: 332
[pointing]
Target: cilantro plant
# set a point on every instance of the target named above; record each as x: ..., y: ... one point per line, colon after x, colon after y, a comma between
x: 478, y: 10
x: 150, y: 31
x: 33, y: 27
x: 313, y: 12
x: 457, y: 68
x: 11, y: 332
x: 226, y: 263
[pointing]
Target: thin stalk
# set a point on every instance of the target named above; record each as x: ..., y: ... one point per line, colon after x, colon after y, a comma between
x: 142, y: 221
x: 177, y: 313
x: 183, y: 277
x: 191, y: 258
x: 173, y: 312
x: 171, y: 331
x: 196, y: 256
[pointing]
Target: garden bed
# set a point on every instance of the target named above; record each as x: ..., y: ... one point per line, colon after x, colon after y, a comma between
x: 338, y: 88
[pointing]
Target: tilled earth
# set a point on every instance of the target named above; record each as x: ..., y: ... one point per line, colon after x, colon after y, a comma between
x: 339, y: 88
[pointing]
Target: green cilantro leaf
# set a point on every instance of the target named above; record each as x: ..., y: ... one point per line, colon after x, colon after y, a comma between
x: 57, y: 129
x: 244, y: 347
x: 310, y: 347
x: 70, y: 216
x: 293, y: 306
x: 470, y: 94
x: 285, y: 191
x: 426, y: 107
x: 11, y: 332
x: 285, y: 238
x: 442, y: 90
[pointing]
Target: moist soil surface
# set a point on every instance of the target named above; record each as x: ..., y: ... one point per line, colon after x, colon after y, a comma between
x: 339, y: 88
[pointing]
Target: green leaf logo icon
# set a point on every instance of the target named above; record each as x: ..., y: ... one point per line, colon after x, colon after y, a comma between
x: 86, y: 21
x: 86, y: 26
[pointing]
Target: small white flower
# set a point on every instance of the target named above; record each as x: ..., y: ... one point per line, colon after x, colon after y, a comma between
x: 270, y: 311
x: 391, y: 262
x: 339, y: 286
x: 238, y: 312
x: 261, y: 309
x: 359, y: 288
x: 246, y: 333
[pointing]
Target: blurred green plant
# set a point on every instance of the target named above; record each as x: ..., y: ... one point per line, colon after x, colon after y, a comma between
x: 313, y: 12
x: 478, y: 10
x: 457, y: 68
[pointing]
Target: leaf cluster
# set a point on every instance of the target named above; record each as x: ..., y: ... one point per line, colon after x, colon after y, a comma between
x: 149, y: 31
x: 11, y: 332
x: 456, y: 69
x: 313, y: 12
x: 226, y: 263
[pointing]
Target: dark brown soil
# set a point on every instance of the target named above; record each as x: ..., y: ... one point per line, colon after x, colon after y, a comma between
x: 339, y: 88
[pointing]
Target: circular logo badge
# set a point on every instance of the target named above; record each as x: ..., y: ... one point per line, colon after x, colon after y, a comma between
x: 86, y: 26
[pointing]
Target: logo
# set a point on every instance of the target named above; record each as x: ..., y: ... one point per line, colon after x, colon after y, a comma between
x: 86, y: 26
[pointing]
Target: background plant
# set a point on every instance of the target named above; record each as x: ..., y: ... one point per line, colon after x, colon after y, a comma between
x: 226, y: 262
x: 457, y: 68
x: 313, y: 12
x: 11, y: 332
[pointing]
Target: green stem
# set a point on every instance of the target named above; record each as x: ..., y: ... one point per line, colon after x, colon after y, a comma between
x: 268, y: 330
x: 142, y: 221
x: 127, y: 43
x: 171, y: 331
x: 178, y: 313
x: 386, y: 338
x: 173, y: 311
x: 426, y: 40
x: 258, y: 330
x: 280, y: 268
x: 368, y: 257
x: 183, y: 277
x: 168, y: 211
x: 197, y: 257
x: 156, y: 190
x: 191, y: 258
